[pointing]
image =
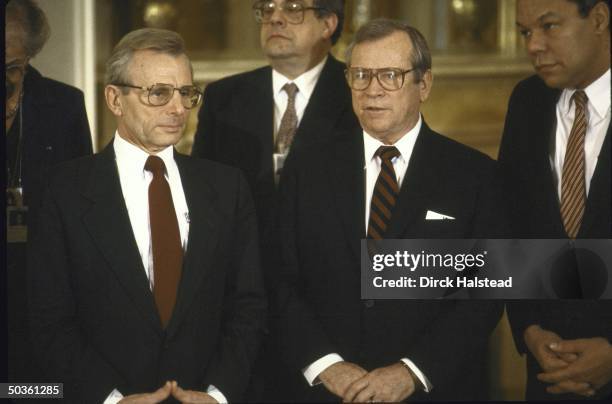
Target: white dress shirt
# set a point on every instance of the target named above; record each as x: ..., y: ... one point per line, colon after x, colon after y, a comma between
x: 598, y: 121
x: 405, y: 145
x: 305, y: 83
x: 135, y: 182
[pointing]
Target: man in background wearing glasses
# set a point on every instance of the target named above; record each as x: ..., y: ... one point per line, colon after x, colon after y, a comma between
x: 393, y: 178
x: 144, y: 276
x: 252, y: 120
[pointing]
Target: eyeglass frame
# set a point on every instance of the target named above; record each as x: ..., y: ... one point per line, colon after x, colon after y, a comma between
x: 260, y: 20
x: 375, y: 73
x: 149, y: 88
x: 20, y: 65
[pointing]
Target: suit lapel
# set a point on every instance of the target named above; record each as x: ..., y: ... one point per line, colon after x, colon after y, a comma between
x: 260, y: 119
x: 418, y: 183
x: 327, y: 103
x: 598, y: 200
x: 108, y: 223
x: 204, y: 226
x: 347, y: 185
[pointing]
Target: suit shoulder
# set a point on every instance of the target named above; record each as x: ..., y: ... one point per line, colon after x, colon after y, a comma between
x: 239, y: 80
x: 461, y: 155
x: 529, y: 87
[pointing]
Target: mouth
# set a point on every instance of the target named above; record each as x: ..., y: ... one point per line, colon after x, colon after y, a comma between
x: 545, y: 68
x: 374, y: 109
x: 276, y: 35
x: 172, y: 128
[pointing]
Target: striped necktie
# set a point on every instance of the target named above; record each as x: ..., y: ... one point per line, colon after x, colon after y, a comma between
x: 385, y: 194
x: 573, y: 185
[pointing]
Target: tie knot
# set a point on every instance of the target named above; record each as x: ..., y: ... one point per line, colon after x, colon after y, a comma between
x: 580, y: 98
x: 387, y: 152
x: 291, y: 89
x: 155, y: 165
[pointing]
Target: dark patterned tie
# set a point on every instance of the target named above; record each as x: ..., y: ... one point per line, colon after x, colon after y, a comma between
x: 573, y: 186
x: 385, y: 194
x: 165, y: 240
x: 289, y: 121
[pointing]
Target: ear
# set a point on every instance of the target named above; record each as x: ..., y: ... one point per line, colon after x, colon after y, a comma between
x: 600, y: 14
x: 113, y: 99
x: 330, y: 24
x: 425, y: 85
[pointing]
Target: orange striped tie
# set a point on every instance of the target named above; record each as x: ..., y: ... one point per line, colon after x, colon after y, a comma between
x: 385, y: 194
x: 573, y: 186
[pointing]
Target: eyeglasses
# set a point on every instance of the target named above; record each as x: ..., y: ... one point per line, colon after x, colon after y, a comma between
x: 292, y: 10
x: 15, y: 72
x: 391, y: 79
x: 160, y: 94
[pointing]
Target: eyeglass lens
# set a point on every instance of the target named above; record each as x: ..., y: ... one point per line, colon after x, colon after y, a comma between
x: 389, y: 79
x: 293, y: 11
x: 160, y: 94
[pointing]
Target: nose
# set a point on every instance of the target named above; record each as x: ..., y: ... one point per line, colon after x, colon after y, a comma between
x: 278, y: 17
x: 175, y: 105
x: 374, y: 89
x: 535, y: 43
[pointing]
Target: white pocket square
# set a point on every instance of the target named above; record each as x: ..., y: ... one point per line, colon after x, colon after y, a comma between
x: 431, y: 215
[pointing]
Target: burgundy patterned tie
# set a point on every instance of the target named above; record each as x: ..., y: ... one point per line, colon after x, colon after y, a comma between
x: 573, y: 186
x: 289, y: 121
x: 165, y: 240
x: 385, y: 194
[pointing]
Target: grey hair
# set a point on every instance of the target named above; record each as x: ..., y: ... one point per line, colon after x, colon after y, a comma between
x: 380, y: 28
x: 32, y: 20
x: 155, y: 39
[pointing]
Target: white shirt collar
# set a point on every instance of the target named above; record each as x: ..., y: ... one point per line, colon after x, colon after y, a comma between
x: 405, y: 144
x: 305, y: 82
x: 133, y: 158
x: 598, y: 93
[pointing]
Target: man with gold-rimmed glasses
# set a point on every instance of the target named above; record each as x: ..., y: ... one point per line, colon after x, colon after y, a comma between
x: 150, y: 254
x: 392, y: 178
x: 45, y: 123
x: 255, y: 119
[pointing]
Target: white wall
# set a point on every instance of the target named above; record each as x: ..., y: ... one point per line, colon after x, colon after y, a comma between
x: 69, y: 54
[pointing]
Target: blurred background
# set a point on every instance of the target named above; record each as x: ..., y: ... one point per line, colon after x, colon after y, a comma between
x: 478, y: 57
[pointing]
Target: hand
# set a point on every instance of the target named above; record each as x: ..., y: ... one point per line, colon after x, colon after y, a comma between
x: 593, y: 366
x: 337, y: 377
x: 191, y: 396
x: 149, y: 398
x: 538, y: 342
x: 388, y: 384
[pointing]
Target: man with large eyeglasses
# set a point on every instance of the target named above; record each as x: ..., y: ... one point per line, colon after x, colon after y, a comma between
x: 45, y: 123
x: 393, y: 178
x: 145, y: 282
x: 254, y: 119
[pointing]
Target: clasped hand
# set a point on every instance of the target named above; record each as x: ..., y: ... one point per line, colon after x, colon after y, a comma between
x: 579, y: 366
x: 171, y: 388
x: 352, y: 383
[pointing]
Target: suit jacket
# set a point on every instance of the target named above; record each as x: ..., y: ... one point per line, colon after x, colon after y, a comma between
x: 48, y: 140
x: 322, y: 223
x: 529, y: 188
x: 94, y: 320
x: 236, y: 127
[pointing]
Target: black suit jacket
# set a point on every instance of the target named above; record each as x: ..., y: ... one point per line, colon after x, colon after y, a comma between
x: 235, y: 127
x: 533, y: 204
x: 322, y: 223
x: 94, y: 320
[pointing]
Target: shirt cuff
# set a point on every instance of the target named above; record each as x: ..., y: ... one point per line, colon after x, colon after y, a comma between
x: 312, y: 372
x: 427, y: 386
x: 216, y: 394
x: 114, y: 397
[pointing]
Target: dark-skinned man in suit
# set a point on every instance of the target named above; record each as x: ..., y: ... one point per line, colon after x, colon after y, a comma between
x: 555, y: 156
x: 144, y: 276
x: 334, y: 195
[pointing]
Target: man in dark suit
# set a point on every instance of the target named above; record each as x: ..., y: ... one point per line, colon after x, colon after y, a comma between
x: 35, y: 140
x: 555, y: 156
x: 391, y: 179
x: 145, y: 268
x: 252, y: 120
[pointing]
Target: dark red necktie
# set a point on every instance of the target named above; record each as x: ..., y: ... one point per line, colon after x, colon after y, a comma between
x: 165, y: 240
